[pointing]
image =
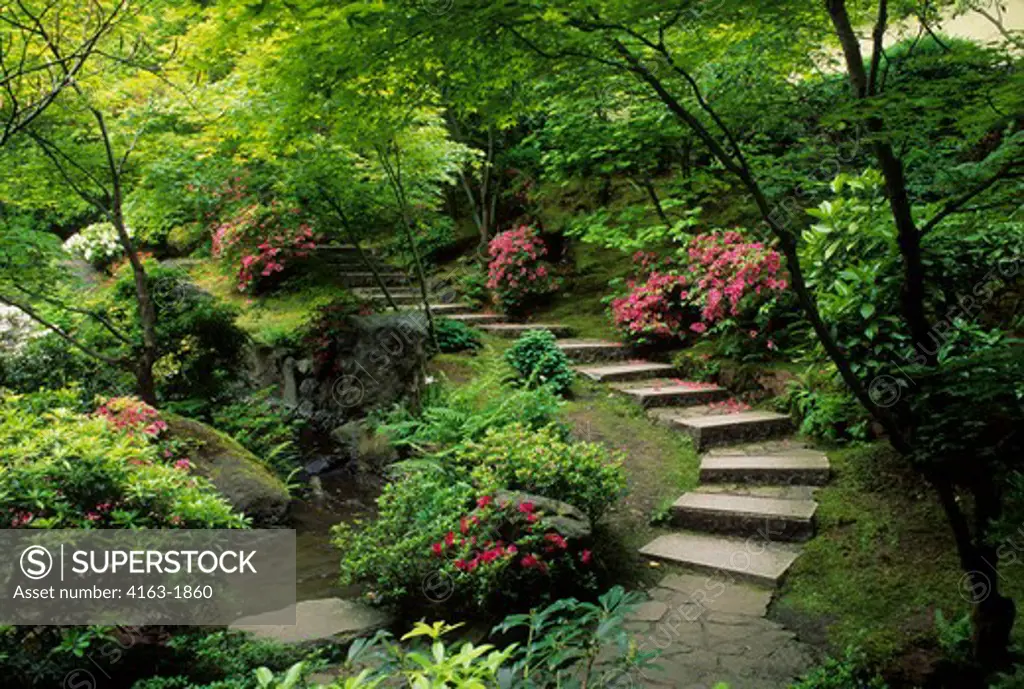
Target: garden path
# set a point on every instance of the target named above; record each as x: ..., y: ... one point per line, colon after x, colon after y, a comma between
x: 737, y: 533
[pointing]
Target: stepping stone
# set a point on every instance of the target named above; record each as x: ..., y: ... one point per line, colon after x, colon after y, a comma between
x: 324, y: 621
x: 752, y: 560
x: 698, y: 595
x: 477, y: 318
x: 626, y: 371
x: 811, y: 468
x: 670, y: 393
x: 712, y: 429
x: 746, y: 515
x: 778, y: 492
x: 588, y: 351
x: 517, y: 329
x: 448, y: 310
x: 368, y: 280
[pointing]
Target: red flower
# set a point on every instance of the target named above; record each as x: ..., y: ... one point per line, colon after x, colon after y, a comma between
x: 527, y: 507
x: 529, y: 562
x: 437, y: 548
x: 449, y: 540
x: 586, y: 556
x: 483, y: 501
x: 556, y: 541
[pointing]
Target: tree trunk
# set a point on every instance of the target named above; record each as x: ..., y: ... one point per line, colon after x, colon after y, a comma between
x: 351, y: 234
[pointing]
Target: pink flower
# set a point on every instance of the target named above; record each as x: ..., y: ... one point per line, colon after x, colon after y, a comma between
x: 585, y: 556
x: 698, y: 327
x: 183, y: 464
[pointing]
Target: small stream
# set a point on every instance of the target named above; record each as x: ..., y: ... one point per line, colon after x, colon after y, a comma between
x: 347, y: 494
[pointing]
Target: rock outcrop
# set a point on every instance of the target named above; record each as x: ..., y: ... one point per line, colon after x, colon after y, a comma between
x: 238, y: 474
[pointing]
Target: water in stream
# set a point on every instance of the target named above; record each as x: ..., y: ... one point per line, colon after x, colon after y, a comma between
x: 347, y: 494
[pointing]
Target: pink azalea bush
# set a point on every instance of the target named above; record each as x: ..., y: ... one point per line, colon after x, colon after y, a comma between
x: 516, y: 271
x: 724, y: 279
x: 262, y: 241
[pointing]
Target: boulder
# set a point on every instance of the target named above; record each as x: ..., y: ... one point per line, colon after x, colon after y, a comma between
x: 238, y: 474
x: 323, y: 621
x: 567, y: 520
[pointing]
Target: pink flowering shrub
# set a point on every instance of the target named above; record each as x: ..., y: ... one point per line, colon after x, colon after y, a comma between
x: 505, y: 547
x: 262, y: 241
x: 658, y: 307
x: 516, y: 272
x: 136, y: 418
x: 724, y: 281
x: 64, y: 470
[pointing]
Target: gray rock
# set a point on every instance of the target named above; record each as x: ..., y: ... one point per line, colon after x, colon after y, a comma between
x: 323, y: 621
x: 567, y: 520
x: 304, y: 366
x: 290, y: 388
x: 238, y: 474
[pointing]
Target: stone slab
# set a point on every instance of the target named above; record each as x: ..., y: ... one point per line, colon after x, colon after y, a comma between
x: 810, y: 468
x: 668, y: 393
x: 517, y: 329
x: 592, y: 350
x: 746, y: 515
x: 752, y: 560
x: 626, y: 371
x: 477, y: 318
x: 326, y: 620
x: 715, y: 429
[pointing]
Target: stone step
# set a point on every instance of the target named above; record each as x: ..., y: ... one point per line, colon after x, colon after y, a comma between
x: 626, y: 371
x: 367, y: 279
x: 746, y: 515
x: 752, y: 560
x: 517, y: 329
x: 476, y: 319
x: 589, y: 351
x: 811, y: 468
x: 447, y: 310
x: 667, y: 392
x: 704, y: 596
x: 709, y: 428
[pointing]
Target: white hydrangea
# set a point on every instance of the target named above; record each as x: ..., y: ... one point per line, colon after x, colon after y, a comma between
x: 16, y: 328
x: 96, y: 243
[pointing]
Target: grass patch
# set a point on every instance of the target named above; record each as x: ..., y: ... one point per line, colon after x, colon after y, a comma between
x: 661, y: 464
x: 270, y: 319
x: 882, y: 563
x: 579, y: 303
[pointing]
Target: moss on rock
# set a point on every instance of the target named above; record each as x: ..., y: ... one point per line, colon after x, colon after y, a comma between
x: 237, y: 473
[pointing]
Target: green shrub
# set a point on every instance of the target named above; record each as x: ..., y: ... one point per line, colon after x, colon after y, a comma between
x: 473, y: 285
x: 456, y: 336
x: 535, y: 356
x: 585, y: 475
x: 391, y: 553
x: 452, y: 416
x: 48, y: 363
x: 265, y: 428
x: 504, y: 554
x: 825, y: 408
x: 60, y: 469
x: 182, y: 240
x: 201, y: 349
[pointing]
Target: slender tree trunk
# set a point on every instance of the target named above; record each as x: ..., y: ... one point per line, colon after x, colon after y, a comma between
x: 394, y: 174
x: 351, y: 234
x: 146, y: 307
x: 652, y: 193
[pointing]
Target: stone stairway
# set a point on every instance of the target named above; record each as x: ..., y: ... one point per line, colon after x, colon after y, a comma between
x: 735, y: 535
